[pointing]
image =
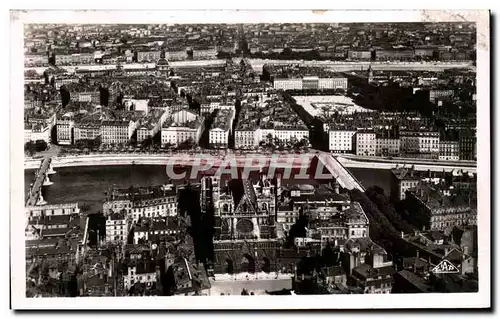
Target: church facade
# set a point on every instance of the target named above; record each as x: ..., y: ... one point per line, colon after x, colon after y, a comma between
x: 245, y: 225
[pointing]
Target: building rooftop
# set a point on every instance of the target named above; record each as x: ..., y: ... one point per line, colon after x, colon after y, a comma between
x: 366, y: 271
x: 115, y: 123
x: 45, y: 248
x: 118, y: 215
x: 405, y: 173
x: 437, y: 197
x: 195, y: 124
x: 223, y: 119
x: 418, y: 282
x: 187, y: 272
x: 364, y: 244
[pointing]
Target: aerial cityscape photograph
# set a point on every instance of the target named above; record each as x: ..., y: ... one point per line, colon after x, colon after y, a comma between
x: 250, y: 159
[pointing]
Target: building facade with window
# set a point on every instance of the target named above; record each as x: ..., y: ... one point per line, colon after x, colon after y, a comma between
x: 87, y: 130
x: 175, y: 134
x: 449, y: 150
x: 148, y: 56
x: 142, y: 272
x: 117, y: 132
x: 246, y: 138
x: 51, y: 210
x: 117, y: 227
x: 142, y: 202
x: 420, y: 143
x: 387, y: 147
x: 365, y: 143
x: 341, y: 141
x: 64, y: 129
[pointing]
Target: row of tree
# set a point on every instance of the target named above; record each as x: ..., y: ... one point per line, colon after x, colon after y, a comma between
x: 88, y: 143
x: 278, y: 144
x: 382, y: 229
x: 378, y: 197
x: 33, y: 147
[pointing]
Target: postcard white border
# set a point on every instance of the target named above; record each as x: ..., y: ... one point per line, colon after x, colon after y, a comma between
x: 391, y: 301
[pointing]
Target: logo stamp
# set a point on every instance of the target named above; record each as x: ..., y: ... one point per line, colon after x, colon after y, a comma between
x: 445, y: 267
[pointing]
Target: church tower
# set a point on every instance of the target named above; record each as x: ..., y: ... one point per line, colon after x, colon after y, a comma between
x: 210, y: 193
x: 162, y: 64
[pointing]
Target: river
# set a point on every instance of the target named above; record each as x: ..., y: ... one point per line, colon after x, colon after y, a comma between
x: 87, y: 184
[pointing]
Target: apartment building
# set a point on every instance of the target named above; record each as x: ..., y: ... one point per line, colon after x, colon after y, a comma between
x: 310, y: 83
x: 395, y: 54
x: 64, y: 130
x: 148, y: 56
x: 34, y: 132
x: 142, y: 272
x: 387, y: 146
x: 449, y: 150
x: 85, y: 96
x: 287, y: 84
x: 341, y: 141
x: 86, y: 130
x: 222, y: 127
x: 440, y: 208
x: 359, y: 54
x: 286, y: 216
x: 468, y: 145
x: 117, y: 226
x: 160, y: 204
x: 175, y: 134
x: 176, y: 55
x: 116, y: 131
x: 51, y: 210
x: 76, y: 58
x: 365, y: 143
x: 205, y: 54
x: 142, y: 202
x: 420, y: 142
x: 402, y: 180
x: 146, y: 229
x: 152, y: 125
x: 291, y: 132
x: 246, y: 137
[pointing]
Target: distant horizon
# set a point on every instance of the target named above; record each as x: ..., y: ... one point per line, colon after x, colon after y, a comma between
x: 359, y: 24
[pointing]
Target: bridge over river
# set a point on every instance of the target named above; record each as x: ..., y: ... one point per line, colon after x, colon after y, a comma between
x: 34, y: 196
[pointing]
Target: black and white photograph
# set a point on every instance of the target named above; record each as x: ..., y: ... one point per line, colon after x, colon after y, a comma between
x: 227, y: 158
